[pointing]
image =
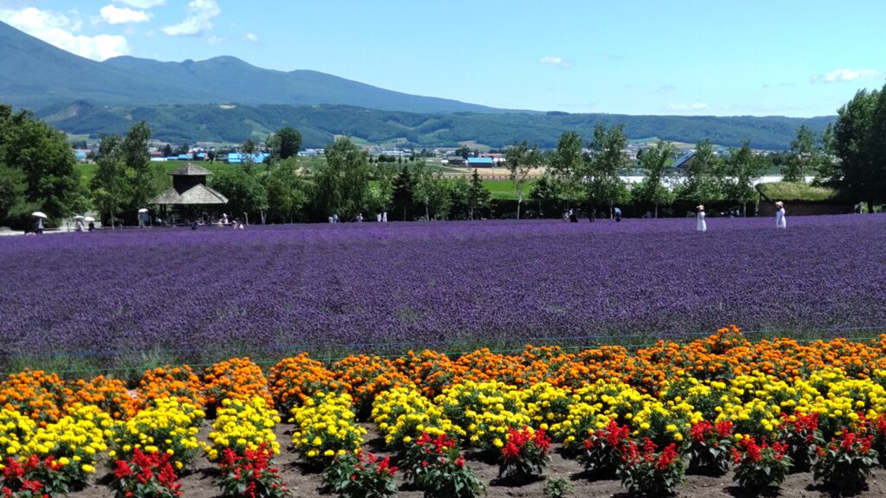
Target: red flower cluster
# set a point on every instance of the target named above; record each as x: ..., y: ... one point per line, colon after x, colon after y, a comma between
x: 148, y: 474
x: 34, y: 479
x: 701, y: 431
x: 748, y: 450
x: 518, y: 440
x: 251, y: 472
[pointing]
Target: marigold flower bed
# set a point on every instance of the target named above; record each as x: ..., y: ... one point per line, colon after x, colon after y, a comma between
x: 746, y: 414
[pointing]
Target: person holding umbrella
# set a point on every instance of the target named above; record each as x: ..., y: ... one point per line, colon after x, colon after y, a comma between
x: 780, y: 220
x: 78, y: 224
x: 143, y: 217
x: 38, y: 221
x: 700, y: 224
x: 91, y: 221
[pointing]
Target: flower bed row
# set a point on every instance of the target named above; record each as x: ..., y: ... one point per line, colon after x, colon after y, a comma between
x: 763, y: 409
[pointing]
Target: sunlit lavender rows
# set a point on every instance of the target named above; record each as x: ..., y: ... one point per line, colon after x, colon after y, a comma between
x: 481, y: 282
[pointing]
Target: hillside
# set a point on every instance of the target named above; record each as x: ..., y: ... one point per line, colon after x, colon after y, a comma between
x: 318, y: 124
x: 45, y: 76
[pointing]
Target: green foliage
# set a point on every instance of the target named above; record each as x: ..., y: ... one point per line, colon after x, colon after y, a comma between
x: 805, y: 155
x: 791, y: 191
x: 654, y: 163
x: 742, y: 168
x: 557, y: 487
x: 600, y: 174
x: 287, y: 191
x: 520, y: 162
x: 342, y: 184
x: 244, y: 192
x: 285, y: 143
x: 38, y: 169
x: 478, y: 196
x: 859, y: 141
x: 703, y: 175
x: 403, y: 197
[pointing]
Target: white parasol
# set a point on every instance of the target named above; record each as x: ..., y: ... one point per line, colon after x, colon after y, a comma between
x: 89, y: 219
x: 143, y: 210
x: 38, y: 214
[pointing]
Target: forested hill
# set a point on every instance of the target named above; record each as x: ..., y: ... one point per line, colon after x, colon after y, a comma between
x: 318, y: 124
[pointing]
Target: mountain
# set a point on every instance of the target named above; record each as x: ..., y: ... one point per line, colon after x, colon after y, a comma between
x: 43, y: 75
x: 320, y: 123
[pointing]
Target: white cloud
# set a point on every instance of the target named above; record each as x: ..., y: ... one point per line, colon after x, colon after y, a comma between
x: 846, y: 75
x: 117, y: 15
x: 695, y: 106
x: 142, y: 4
x: 555, y: 61
x: 215, y: 40
x: 198, y: 20
x: 58, y: 29
x: 250, y: 37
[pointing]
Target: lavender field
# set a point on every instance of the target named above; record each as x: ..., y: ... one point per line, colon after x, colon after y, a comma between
x: 276, y: 288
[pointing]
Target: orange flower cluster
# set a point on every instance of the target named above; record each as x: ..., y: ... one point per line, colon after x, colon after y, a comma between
x: 177, y: 383
x: 110, y: 395
x: 366, y: 376
x: 35, y: 393
x: 296, y: 379
x: 430, y: 370
x: 238, y: 378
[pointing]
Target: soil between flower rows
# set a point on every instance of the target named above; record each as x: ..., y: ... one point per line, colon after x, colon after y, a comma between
x: 200, y: 481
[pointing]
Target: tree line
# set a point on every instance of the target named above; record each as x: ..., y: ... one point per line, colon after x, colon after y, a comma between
x: 38, y: 172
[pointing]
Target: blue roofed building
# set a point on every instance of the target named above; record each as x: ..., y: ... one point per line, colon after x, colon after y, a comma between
x: 185, y: 157
x: 481, y: 162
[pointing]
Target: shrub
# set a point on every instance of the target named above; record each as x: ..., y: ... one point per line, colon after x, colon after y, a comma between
x: 238, y: 378
x: 603, y: 451
x: 75, y: 441
x: 325, y: 427
x: 243, y: 425
x: 801, y: 436
x: 33, y: 477
x: 644, y: 471
x: 709, y: 448
x: 525, y: 454
x: 168, y: 426
x: 758, y: 466
x: 147, y: 475
x: 437, y: 466
x: 557, y: 487
x: 361, y: 476
x: 177, y: 383
x: 846, y: 462
x: 294, y: 380
x: 249, y: 474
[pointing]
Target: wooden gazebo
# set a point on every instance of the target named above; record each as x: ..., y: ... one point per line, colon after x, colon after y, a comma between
x: 189, y: 188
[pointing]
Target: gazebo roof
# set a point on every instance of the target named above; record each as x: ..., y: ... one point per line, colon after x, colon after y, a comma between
x: 196, y: 195
x: 190, y: 169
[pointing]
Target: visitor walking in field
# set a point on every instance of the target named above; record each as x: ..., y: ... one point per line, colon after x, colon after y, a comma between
x: 780, y: 219
x: 700, y: 224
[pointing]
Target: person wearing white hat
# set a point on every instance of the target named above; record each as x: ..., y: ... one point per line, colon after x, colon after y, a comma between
x: 780, y: 219
x: 700, y: 224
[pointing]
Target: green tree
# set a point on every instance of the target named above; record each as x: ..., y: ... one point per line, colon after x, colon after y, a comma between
x: 167, y: 150
x: 403, y: 197
x: 432, y: 190
x: 13, y: 186
x: 520, y: 162
x: 855, y: 145
x: 183, y: 149
x: 544, y: 192
x: 702, y: 177
x: 654, y: 163
x: 567, y: 167
x: 244, y: 192
x: 43, y: 157
x: 145, y: 179
x: 743, y: 168
x: 342, y: 184
x: 285, y: 143
x: 803, y: 157
x: 287, y: 191
x: 108, y: 185
x: 478, y: 196
x: 600, y: 174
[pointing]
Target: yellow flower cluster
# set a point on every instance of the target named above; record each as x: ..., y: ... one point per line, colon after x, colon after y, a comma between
x: 76, y: 440
x: 484, y: 411
x: 325, y: 426
x: 167, y: 425
x: 242, y: 425
x: 15, y: 431
x: 547, y: 405
x: 402, y: 414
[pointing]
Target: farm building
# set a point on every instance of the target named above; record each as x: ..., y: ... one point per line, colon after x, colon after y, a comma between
x: 481, y: 162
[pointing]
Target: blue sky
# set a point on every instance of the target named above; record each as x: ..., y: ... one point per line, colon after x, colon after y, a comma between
x: 787, y: 57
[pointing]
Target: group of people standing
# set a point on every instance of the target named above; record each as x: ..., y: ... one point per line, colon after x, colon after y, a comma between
x: 702, y: 226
